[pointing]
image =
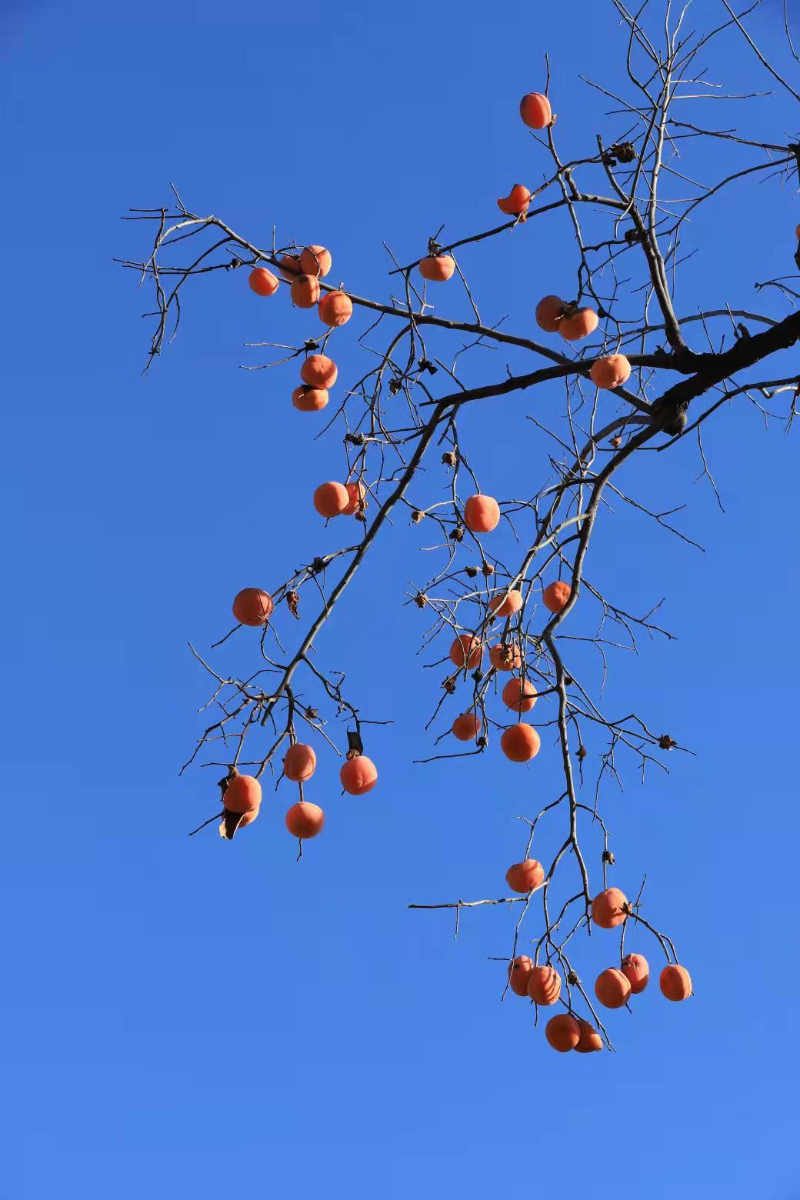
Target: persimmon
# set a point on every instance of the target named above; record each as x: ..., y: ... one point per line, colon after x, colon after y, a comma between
x: 556, y: 595
x: 247, y: 818
x: 516, y: 202
x: 610, y: 372
x: 304, y: 820
x: 612, y: 988
x: 608, y: 908
x: 319, y: 371
x: 305, y: 291
x: 519, y: 695
x: 481, y: 514
x: 578, y: 323
x: 357, y: 494
x: 335, y: 309
x: 675, y: 982
x: 549, y: 312
x: 507, y: 604
x: 535, y: 110
x: 242, y: 794
x: 505, y: 656
x: 263, y: 282
x: 253, y: 607
x: 636, y: 970
x: 544, y: 985
x: 563, y: 1032
x: 520, y: 743
x: 466, y: 727
x: 309, y: 399
x: 359, y: 775
x: 299, y: 762
x: 331, y: 499
x: 466, y: 650
x: 315, y: 260
x: 519, y: 972
x: 437, y: 268
x: 524, y: 876
x: 289, y: 266
x: 589, y: 1040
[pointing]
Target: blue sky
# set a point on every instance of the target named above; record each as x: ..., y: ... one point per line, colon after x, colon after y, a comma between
x: 193, y: 1019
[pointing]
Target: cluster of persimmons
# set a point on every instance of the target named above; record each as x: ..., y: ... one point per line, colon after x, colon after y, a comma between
x: 613, y: 987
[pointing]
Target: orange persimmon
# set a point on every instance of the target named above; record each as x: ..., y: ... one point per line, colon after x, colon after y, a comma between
x: 252, y: 606
x: 519, y: 695
x: 335, y: 309
x: 535, y: 110
x: 520, y: 743
x: 609, y: 908
x: 524, y: 876
x: 305, y: 291
x: 612, y: 988
x: 315, y: 260
x: 506, y: 604
x: 589, y: 1040
x: 466, y: 650
x: 519, y: 972
x: 300, y: 762
x: 331, y: 499
x: 359, y: 775
x: 636, y: 970
x: 578, y: 323
x: 304, y: 820
x: 263, y: 282
x: 309, y: 399
x: 675, y: 982
x: 357, y: 493
x: 563, y: 1032
x: 610, y: 372
x: 516, y: 202
x: 505, y: 656
x: 544, y: 985
x: 466, y: 727
x: 242, y: 794
x: 319, y: 371
x: 556, y: 595
x: 481, y: 514
x: 437, y: 268
x: 549, y: 312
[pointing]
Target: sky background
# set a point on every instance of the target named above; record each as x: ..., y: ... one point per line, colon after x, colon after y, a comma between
x: 188, y: 1018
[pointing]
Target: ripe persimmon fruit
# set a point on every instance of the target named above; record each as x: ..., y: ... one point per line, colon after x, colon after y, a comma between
x: 523, y: 877
x: 319, y: 371
x: 242, y: 794
x: 549, y: 312
x: 519, y: 695
x: 516, y: 202
x: 578, y: 323
x: 608, y: 908
x: 563, y: 1032
x: 612, y: 988
x: 589, y: 1040
x: 520, y: 743
x: 309, y: 399
x: 535, y: 110
x: 505, y: 656
x: 335, y: 309
x: 289, y: 266
x: 315, y: 260
x: 466, y: 650
x: 252, y: 606
x: 331, y: 499
x: 507, y: 604
x: 304, y: 820
x: 263, y: 282
x: 610, y: 372
x: 299, y: 762
x: 357, y: 494
x: 481, y: 514
x: 359, y: 775
x: 466, y: 727
x: 437, y: 268
x: 519, y: 972
x: 305, y: 291
x: 636, y: 970
x: 544, y: 985
x: 675, y: 982
x: 556, y: 595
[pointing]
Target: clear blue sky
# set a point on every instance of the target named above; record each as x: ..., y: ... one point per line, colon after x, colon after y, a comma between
x: 201, y: 1020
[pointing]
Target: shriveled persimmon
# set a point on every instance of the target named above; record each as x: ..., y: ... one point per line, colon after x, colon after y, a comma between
x: 544, y: 985
x: 319, y: 371
x: 516, y: 202
x: 556, y: 595
x: 331, y: 499
x: 466, y: 650
x: 636, y: 970
x: 359, y: 775
x: 535, y: 110
x: 523, y: 877
x: 519, y: 695
x: 549, y: 312
x: 252, y: 606
x: 520, y: 743
x: 519, y: 972
x: 505, y: 656
x: 612, y: 988
x: 242, y: 794
x: 309, y: 399
x: 437, y: 268
x: 305, y: 291
x: 481, y: 514
x: 263, y: 282
x: 507, y: 604
x: 304, y: 820
x: 577, y: 323
x: 609, y: 908
x: 300, y: 762
x: 315, y: 260
x: 335, y: 309
x: 675, y: 982
x: 563, y: 1032
x: 466, y: 727
x: 610, y: 372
